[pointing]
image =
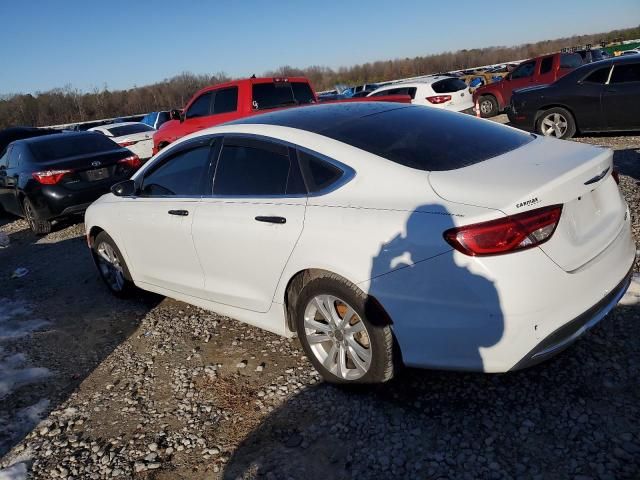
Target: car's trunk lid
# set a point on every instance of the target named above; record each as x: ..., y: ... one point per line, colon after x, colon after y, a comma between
x: 91, y: 169
x: 547, y: 172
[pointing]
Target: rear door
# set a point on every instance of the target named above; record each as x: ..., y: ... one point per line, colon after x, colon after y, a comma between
x: 621, y: 98
x: 211, y: 108
x: 246, y: 230
x: 545, y: 72
x: 156, y: 225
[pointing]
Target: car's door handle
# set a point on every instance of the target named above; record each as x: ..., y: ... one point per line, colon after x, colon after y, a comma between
x: 271, y: 219
x: 180, y: 213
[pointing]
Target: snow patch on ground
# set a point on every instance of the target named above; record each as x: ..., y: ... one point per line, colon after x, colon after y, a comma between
x: 16, y: 371
x: 632, y: 297
x: 17, y: 471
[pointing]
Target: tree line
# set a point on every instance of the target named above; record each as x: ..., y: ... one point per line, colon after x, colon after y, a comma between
x: 68, y: 104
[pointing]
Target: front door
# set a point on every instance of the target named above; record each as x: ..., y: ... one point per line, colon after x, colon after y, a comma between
x: 157, y: 223
x: 245, y: 232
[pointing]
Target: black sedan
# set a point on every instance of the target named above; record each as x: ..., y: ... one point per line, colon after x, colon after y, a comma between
x: 54, y: 176
x: 597, y: 97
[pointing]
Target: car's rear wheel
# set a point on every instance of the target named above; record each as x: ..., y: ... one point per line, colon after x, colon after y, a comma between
x: 488, y: 106
x: 343, y: 344
x: 111, y: 265
x: 556, y: 122
x: 37, y: 225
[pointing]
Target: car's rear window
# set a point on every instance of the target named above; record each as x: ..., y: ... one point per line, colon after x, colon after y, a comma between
x: 281, y: 94
x: 448, y: 85
x: 63, y: 146
x: 129, y: 129
x: 424, y: 139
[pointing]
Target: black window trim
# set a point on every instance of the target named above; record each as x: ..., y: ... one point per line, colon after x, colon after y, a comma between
x: 347, y: 172
x: 170, y: 153
x: 593, y: 70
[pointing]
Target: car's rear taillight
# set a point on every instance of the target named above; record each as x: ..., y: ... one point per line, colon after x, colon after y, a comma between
x: 133, y: 161
x: 506, y: 235
x: 50, y: 177
x: 439, y: 99
x: 616, y: 175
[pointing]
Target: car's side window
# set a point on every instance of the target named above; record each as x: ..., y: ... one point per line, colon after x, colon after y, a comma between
x: 600, y: 76
x: 4, y: 158
x: 182, y: 175
x: 524, y: 70
x: 252, y: 168
x: 546, y: 65
x: 201, y: 106
x: 627, y: 73
x: 226, y: 100
x: 318, y: 174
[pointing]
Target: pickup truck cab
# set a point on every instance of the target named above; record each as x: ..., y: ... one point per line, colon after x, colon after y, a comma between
x: 229, y: 101
x: 494, y: 98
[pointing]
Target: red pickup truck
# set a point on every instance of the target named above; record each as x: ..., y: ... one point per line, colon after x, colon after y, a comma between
x: 494, y: 97
x: 229, y: 101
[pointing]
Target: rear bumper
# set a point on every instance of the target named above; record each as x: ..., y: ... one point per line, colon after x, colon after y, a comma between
x: 53, y: 201
x: 564, y: 336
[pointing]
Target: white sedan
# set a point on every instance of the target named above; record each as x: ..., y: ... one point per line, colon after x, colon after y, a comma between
x: 381, y: 234
x: 449, y: 93
x: 136, y: 136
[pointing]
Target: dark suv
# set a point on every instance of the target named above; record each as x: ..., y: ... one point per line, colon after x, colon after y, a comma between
x: 55, y: 176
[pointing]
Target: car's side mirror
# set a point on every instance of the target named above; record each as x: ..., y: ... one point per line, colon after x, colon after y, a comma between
x: 128, y: 188
x: 176, y: 114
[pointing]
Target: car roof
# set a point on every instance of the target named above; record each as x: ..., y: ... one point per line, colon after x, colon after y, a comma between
x: 120, y: 124
x: 46, y: 138
x: 418, y: 82
x: 321, y: 117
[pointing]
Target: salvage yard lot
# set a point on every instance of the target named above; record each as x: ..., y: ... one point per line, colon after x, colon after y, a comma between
x: 154, y: 388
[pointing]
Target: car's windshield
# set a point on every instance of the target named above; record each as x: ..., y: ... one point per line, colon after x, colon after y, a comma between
x: 281, y: 94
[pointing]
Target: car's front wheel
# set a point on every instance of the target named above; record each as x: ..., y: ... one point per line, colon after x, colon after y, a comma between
x: 488, y: 106
x: 111, y: 265
x: 343, y: 344
x: 556, y: 122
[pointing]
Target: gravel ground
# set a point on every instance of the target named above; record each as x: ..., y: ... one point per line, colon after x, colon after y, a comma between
x: 93, y: 387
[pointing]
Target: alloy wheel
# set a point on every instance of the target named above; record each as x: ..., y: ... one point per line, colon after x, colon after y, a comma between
x: 554, y: 125
x: 110, y: 267
x: 486, y: 107
x: 338, y: 337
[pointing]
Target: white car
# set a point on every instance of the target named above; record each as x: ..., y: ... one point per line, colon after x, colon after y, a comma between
x: 382, y: 234
x: 439, y: 91
x: 136, y: 136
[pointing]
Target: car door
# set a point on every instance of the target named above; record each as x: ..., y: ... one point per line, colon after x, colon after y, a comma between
x: 621, y: 98
x: 246, y: 230
x: 212, y: 108
x: 156, y: 223
x: 546, y: 74
x: 521, y: 77
x: 584, y: 99
x: 9, y: 174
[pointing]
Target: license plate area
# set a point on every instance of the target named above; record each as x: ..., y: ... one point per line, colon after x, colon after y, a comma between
x: 97, y: 174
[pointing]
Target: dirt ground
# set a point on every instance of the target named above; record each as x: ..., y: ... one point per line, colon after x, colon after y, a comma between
x: 96, y: 387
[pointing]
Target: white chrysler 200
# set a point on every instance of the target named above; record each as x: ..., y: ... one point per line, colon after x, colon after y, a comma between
x: 381, y: 234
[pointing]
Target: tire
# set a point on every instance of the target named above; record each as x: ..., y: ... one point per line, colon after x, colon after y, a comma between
x: 488, y: 106
x: 556, y: 122
x: 111, y: 266
x: 366, y: 346
x: 38, y: 226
